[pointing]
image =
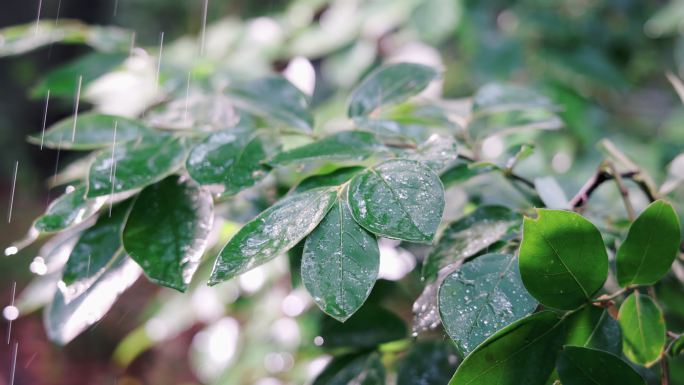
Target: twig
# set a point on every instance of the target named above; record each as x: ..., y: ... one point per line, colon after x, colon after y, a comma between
x: 624, y: 192
x: 610, y: 297
x: 664, y: 370
x: 582, y: 197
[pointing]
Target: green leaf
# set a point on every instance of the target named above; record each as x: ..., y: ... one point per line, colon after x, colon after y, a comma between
x: 482, y: 297
x: 438, y: 152
x: 333, y: 178
x: 167, y: 229
x: 401, y: 199
x: 585, y: 366
x: 462, y: 172
x: 63, y: 82
x: 677, y: 346
x: 370, y: 326
x: 593, y: 327
x: 340, y: 263
x: 469, y: 235
x: 428, y: 363
x: 413, y: 133
x: 651, y: 246
x: 273, y: 232
x: 551, y: 193
x: 524, y: 352
x: 134, y: 165
x: 63, y: 322
x: 389, y: 84
x: 232, y: 158
x: 563, y: 260
x: 68, y: 210
x: 499, y: 97
x: 274, y: 98
x: 93, y: 131
x: 96, y: 249
x: 365, y: 369
x: 342, y: 146
x: 643, y: 329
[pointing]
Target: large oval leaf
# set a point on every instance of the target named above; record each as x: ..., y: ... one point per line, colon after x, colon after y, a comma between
x: 643, y: 329
x: 650, y: 247
x: 340, y: 263
x: 428, y: 363
x: 92, y: 131
x: 167, y: 229
x: 232, y: 158
x: 274, y: 98
x: 585, y: 366
x: 563, y: 260
x: 68, y: 210
x: 400, y: 199
x: 390, y: 84
x: 134, y: 165
x: 367, y: 328
x: 521, y: 353
x: 593, y: 327
x: 482, y: 297
x: 366, y: 369
x: 273, y: 232
x: 342, y: 146
x: 467, y: 236
x: 63, y: 322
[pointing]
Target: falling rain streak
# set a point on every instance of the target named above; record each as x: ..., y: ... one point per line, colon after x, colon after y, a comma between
x: 10, y: 317
x: 112, y: 172
x: 45, y: 112
x: 14, y: 363
x: 14, y: 187
x: 204, y: 26
x: 161, y: 50
x: 77, y: 101
x: 40, y: 8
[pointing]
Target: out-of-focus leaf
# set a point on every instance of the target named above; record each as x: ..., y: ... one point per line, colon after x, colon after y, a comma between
x: 500, y: 97
x: 333, y: 178
x: 580, y: 366
x: 342, y: 146
x: 273, y: 232
x: 563, y: 259
x: 393, y: 129
x: 482, y: 297
x: 592, y: 327
x: 63, y: 82
x: 63, y: 322
x: 166, y: 231
x: 400, y: 199
x: 366, y: 369
x: 464, y: 171
x: 389, y: 84
x: 68, y: 210
x: 274, y: 98
x: 505, y: 357
x: 469, y: 235
x: 651, y: 246
x: 551, y: 193
x: 675, y: 174
x: 438, y: 152
x: 367, y: 328
x: 197, y: 112
x: 340, y: 263
x: 92, y: 131
x: 428, y: 363
x: 643, y: 329
x: 231, y: 157
x: 134, y: 165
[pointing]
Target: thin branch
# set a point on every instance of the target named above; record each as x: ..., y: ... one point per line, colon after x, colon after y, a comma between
x: 601, y: 176
x: 624, y: 192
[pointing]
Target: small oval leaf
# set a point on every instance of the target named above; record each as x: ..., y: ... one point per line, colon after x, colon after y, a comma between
x: 643, y: 329
x: 585, y: 366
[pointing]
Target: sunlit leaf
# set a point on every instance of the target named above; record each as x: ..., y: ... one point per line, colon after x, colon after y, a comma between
x: 580, y: 366
x: 400, y: 199
x: 563, y: 260
x: 643, y: 329
x: 68, y: 210
x: 342, y: 146
x: 166, y: 231
x: 340, y: 263
x: 273, y: 232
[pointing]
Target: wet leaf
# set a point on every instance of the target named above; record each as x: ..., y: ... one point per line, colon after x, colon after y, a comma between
x: 365, y: 369
x: 469, y: 235
x: 583, y: 366
x: 462, y: 172
x: 367, y: 328
x: 521, y: 353
x: 643, y: 329
x: 134, y: 165
x: 232, y: 158
x: 389, y: 84
x: 342, y: 146
x: 401, y: 199
x: 63, y: 322
x: 333, y: 178
x: 93, y: 131
x: 273, y: 232
x: 592, y: 327
x: 651, y: 246
x: 563, y: 260
x: 340, y: 263
x: 428, y: 363
x: 274, y: 98
x: 68, y: 210
x: 167, y: 229
x: 481, y: 297
x: 97, y: 248
x: 438, y: 152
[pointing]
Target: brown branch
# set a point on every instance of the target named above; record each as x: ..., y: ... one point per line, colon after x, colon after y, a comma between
x: 601, y: 176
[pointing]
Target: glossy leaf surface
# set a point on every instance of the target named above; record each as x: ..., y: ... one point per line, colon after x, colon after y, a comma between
x: 592, y: 327
x: 342, y: 146
x: 585, y: 366
x: 643, y: 329
x: 68, y: 210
